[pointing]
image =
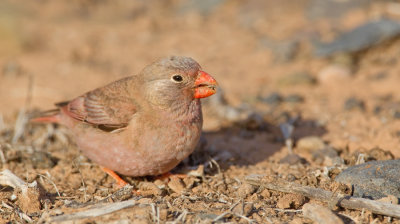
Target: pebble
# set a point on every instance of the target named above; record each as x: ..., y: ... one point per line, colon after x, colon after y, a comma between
x: 176, y: 185
x: 42, y: 160
x: 327, y: 156
x: 375, y: 179
x: 377, y: 153
x: 310, y: 144
x: 360, y: 38
x: 246, y: 189
x: 396, y: 114
x: 353, y: 103
x: 294, y: 201
x: 272, y: 99
x: 149, y: 189
x: 334, y: 74
x: 293, y: 159
x: 294, y: 98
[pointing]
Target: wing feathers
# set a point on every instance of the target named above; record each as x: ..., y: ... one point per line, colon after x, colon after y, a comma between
x: 106, y: 107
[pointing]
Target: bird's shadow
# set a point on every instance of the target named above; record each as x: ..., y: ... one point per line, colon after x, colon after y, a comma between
x: 236, y: 145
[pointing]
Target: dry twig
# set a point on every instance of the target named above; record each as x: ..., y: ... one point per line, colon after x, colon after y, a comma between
x: 96, y: 211
x: 327, y: 196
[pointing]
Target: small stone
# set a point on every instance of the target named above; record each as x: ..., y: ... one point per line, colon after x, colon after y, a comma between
x: 149, y: 189
x: 375, y: 179
x: 272, y: 99
x: 254, y: 122
x: 246, y: 189
x: 294, y: 98
x: 362, y: 37
x: 396, y: 114
x: 334, y: 74
x: 189, y: 182
x: 42, y: 160
x: 293, y: 159
x: 294, y: 201
x: 320, y: 156
x: 310, y: 144
x: 299, y: 78
x: 176, y: 185
x: 354, y: 103
x: 377, y: 153
x: 199, y: 172
x: 290, y: 177
x: 265, y: 193
x: 159, y: 183
x: 377, y: 110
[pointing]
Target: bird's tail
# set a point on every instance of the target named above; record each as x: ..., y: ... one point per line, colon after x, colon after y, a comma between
x: 49, y: 116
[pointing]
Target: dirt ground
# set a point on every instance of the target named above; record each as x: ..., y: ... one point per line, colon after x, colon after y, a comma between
x: 262, y: 55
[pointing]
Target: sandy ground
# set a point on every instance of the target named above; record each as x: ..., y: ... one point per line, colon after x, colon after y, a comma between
x: 54, y: 51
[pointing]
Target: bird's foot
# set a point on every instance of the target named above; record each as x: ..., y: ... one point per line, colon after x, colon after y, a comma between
x: 120, y: 182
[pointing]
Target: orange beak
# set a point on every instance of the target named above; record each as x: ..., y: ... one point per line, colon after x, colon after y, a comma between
x: 205, y: 85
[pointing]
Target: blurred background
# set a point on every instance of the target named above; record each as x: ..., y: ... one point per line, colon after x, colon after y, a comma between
x: 320, y: 77
x: 328, y: 60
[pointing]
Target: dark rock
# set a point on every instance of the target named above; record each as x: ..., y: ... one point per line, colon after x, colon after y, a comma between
x: 396, y: 114
x: 291, y: 177
x: 354, y: 103
x: 294, y: 98
x: 320, y: 156
x: 42, y: 160
x: 375, y: 179
x: 377, y: 110
x: 253, y: 122
x: 293, y: 159
x: 272, y: 99
x: 360, y: 38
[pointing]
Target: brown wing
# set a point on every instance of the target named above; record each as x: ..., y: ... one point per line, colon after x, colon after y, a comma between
x: 108, y: 108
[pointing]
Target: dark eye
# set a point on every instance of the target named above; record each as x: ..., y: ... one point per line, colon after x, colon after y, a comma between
x: 177, y: 78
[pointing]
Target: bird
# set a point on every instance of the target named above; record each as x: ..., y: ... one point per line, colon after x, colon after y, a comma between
x: 140, y: 125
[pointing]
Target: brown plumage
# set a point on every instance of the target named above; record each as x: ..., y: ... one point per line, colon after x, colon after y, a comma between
x: 144, y: 124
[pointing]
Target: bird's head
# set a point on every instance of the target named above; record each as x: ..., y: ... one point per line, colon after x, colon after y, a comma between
x: 177, y: 79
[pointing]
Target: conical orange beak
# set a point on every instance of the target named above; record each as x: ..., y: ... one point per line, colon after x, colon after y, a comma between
x: 205, y: 85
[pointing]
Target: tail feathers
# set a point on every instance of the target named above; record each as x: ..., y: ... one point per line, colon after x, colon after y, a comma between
x: 50, y: 116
